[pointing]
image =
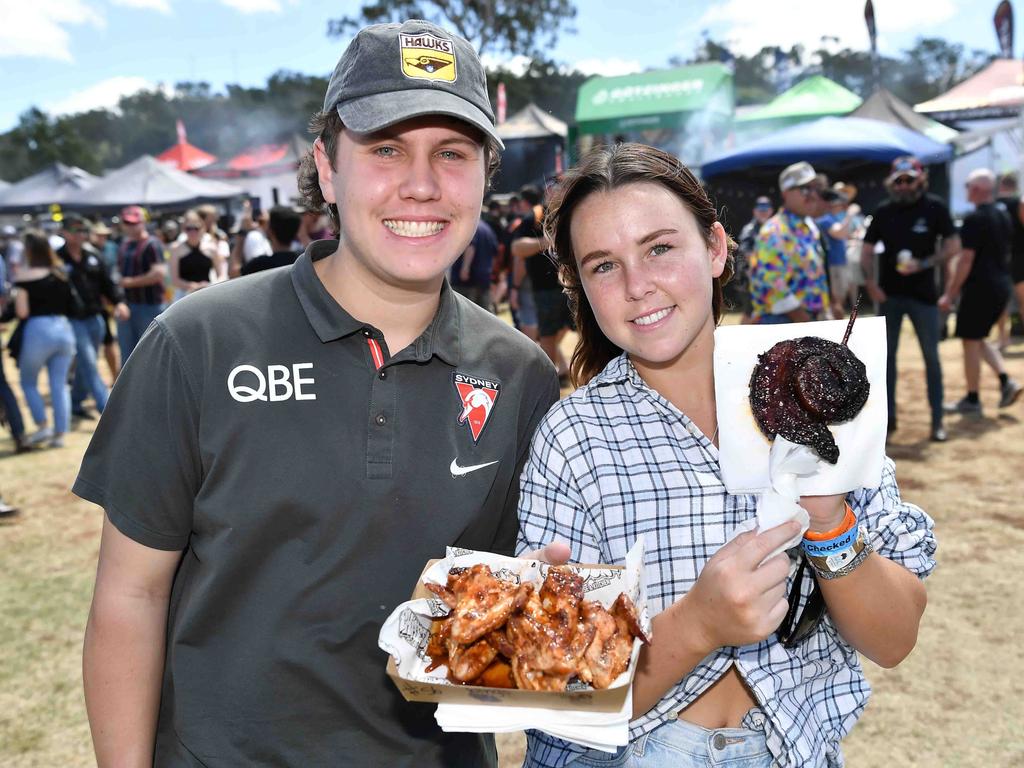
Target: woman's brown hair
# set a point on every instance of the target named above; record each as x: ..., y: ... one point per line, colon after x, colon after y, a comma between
x: 603, y: 169
x: 38, y: 252
x: 326, y: 126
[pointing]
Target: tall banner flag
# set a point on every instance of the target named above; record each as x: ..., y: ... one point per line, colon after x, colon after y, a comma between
x: 1004, y: 28
x: 869, y: 19
x: 502, y: 104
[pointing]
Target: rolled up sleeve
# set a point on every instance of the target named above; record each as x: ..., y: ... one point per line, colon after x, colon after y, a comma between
x: 898, y: 530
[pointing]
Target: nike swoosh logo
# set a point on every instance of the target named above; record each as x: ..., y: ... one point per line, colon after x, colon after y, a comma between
x: 458, y: 471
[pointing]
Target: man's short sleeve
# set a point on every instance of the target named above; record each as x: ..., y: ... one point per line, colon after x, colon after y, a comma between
x: 970, y: 233
x: 898, y: 530
x: 143, y: 464
x: 152, y: 253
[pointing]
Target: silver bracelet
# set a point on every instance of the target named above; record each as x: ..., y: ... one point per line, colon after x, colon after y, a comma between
x: 851, y: 566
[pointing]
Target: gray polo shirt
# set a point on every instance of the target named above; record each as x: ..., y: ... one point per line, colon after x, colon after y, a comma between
x: 308, y: 476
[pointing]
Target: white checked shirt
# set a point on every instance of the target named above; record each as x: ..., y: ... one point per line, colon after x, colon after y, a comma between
x: 616, y: 461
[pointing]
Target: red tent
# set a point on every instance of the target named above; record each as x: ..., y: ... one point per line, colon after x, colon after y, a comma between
x: 264, y: 160
x: 185, y: 156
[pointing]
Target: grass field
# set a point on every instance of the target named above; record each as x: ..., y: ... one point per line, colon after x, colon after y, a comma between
x: 958, y: 701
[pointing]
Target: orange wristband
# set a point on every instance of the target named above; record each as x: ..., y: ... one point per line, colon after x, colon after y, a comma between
x: 848, y: 522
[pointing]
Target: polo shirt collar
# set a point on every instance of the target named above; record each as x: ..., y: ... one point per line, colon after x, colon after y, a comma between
x: 326, y: 316
x: 793, y: 220
x: 330, y: 321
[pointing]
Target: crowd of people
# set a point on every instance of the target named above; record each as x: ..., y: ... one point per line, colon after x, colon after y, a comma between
x: 69, y: 287
x: 811, y: 258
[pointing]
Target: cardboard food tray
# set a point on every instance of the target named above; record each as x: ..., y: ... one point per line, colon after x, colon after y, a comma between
x: 579, y: 697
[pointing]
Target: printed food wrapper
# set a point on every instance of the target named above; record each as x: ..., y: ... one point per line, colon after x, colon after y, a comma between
x: 744, y: 448
x: 405, y: 632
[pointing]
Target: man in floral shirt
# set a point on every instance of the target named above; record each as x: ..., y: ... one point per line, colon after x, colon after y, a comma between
x: 787, y: 268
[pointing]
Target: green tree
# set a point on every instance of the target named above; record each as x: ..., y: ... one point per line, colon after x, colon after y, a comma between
x: 931, y: 67
x: 516, y: 27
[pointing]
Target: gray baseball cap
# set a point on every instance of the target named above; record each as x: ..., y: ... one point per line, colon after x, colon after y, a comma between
x: 393, y: 72
x: 796, y: 175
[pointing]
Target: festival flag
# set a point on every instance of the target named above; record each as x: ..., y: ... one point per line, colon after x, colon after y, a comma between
x: 869, y: 18
x: 182, y: 137
x: 502, y: 103
x: 1004, y: 28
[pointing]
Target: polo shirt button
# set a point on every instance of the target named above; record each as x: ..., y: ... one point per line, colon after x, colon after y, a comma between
x: 366, y: 332
x: 719, y: 741
x: 382, y: 420
x: 383, y: 374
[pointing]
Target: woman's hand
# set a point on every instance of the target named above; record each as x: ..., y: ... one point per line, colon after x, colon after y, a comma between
x: 740, y: 598
x: 826, y: 512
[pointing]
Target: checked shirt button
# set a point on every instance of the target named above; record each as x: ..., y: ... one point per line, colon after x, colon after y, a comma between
x: 382, y: 420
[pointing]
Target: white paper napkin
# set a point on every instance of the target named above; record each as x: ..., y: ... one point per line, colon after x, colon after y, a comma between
x: 744, y: 449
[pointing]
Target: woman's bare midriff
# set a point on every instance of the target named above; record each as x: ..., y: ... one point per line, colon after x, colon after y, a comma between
x: 723, y: 705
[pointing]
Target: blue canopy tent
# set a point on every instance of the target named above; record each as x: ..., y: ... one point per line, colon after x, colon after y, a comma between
x: 851, y: 149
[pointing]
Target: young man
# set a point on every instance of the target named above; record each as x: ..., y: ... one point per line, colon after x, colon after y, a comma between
x: 143, y: 269
x: 282, y: 454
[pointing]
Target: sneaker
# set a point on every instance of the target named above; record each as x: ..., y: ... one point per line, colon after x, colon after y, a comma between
x: 82, y: 413
x: 57, y: 441
x: 939, y: 434
x: 1011, y: 392
x: 964, y: 407
x: 40, y: 436
x: 6, y: 510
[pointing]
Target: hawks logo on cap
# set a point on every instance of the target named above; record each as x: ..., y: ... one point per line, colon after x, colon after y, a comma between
x: 478, y: 397
x: 428, y: 57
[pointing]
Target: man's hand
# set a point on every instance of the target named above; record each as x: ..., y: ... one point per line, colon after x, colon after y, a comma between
x: 826, y: 512
x: 121, y: 311
x: 464, y: 274
x: 877, y: 294
x: 800, y: 315
x: 946, y: 302
x: 737, y: 599
x: 555, y: 553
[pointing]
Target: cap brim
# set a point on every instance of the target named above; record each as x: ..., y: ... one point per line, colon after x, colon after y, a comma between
x: 380, y: 110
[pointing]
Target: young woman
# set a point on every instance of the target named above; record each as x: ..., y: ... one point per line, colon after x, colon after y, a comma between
x: 43, y: 302
x: 633, y: 453
x: 193, y: 260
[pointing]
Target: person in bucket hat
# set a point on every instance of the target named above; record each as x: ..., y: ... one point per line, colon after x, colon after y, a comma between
x: 324, y: 429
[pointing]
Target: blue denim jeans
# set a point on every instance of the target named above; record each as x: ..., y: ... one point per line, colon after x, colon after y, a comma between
x: 925, y: 319
x: 87, y: 381
x: 679, y: 744
x: 50, y: 342
x: 130, y: 331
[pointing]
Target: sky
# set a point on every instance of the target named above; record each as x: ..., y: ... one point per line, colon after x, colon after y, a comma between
x: 66, y: 56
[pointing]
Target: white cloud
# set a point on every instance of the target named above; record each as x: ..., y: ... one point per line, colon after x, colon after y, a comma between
x: 254, y: 6
x: 163, y: 6
x: 517, y: 65
x: 608, y: 67
x: 37, y: 29
x: 104, y: 94
x: 746, y: 27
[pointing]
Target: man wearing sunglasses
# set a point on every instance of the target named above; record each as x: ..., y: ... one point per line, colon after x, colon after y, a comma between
x: 916, y: 234
x: 787, y: 267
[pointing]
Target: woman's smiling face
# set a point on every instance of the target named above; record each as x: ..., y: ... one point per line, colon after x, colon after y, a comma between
x: 646, y: 269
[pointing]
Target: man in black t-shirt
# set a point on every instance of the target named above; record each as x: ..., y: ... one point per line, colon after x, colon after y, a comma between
x: 282, y: 226
x: 553, y: 317
x: 910, y: 226
x: 982, y: 281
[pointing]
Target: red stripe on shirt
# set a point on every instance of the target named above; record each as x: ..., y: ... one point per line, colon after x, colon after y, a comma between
x: 376, y: 353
